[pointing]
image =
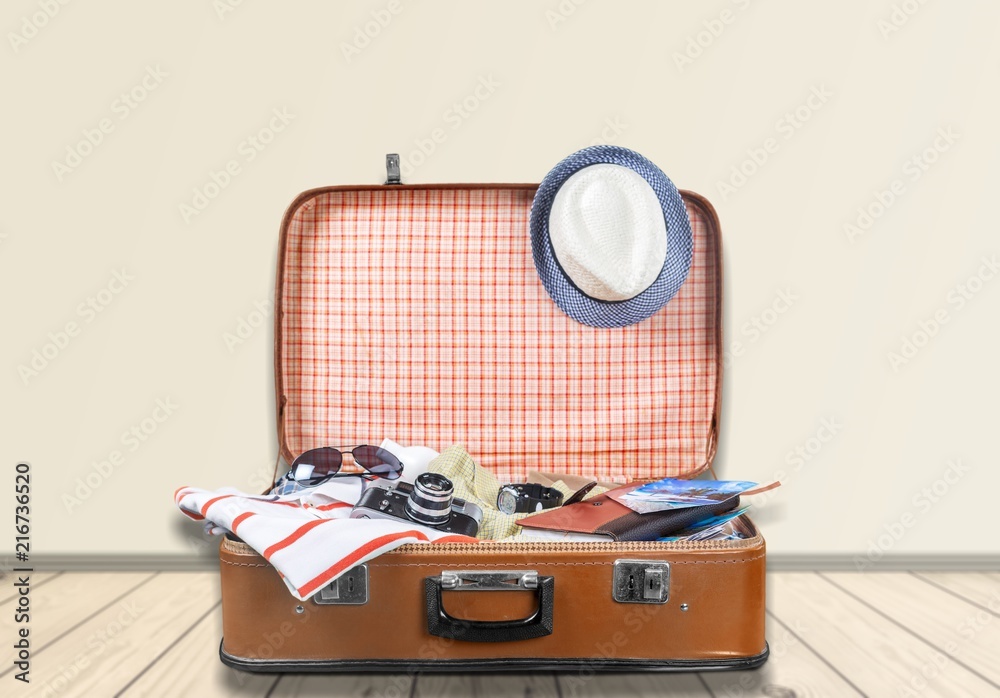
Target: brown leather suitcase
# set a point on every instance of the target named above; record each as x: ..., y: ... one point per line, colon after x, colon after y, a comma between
x: 415, y: 312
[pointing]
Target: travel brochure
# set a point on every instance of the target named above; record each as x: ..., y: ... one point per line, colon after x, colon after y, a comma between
x: 672, y: 493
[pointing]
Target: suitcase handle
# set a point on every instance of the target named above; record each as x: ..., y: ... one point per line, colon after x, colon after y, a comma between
x: 441, y: 624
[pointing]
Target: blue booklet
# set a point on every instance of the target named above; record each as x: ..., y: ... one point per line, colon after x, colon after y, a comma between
x: 708, y: 528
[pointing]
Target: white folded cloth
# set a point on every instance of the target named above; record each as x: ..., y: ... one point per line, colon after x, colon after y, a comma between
x: 415, y: 459
x: 307, y: 536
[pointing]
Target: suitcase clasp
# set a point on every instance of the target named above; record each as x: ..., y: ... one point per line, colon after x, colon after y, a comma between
x: 641, y: 581
x: 351, y: 588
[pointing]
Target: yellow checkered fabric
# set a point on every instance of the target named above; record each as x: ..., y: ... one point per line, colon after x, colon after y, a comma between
x: 480, y: 486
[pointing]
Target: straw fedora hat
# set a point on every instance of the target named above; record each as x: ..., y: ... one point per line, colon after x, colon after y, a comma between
x: 610, y: 236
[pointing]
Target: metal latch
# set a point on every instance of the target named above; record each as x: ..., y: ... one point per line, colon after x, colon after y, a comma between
x: 641, y: 581
x: 392, y: 175
x: 494, y: 580
x: 351, y: 588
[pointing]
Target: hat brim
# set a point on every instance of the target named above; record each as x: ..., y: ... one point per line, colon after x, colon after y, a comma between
x: 570, y: 299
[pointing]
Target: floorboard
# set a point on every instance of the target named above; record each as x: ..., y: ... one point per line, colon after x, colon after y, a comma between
x: 506, y: 685
x: 105, y: 652
x: 191, y: 668
x: 967, y: 635
x: 793, y: 668
x: 344, y: 686
x: 982, y: 589
x: 67, y: 601
x: 37, y: 580
x: 582, y: 685
x: 880, y: 657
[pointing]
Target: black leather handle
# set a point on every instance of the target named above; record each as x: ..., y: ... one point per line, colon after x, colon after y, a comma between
x: 441, y: 624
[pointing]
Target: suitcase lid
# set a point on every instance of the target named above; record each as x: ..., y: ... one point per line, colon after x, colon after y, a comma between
x: 414, y: 312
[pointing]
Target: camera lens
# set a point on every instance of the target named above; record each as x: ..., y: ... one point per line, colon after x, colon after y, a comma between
x: 430, y: 501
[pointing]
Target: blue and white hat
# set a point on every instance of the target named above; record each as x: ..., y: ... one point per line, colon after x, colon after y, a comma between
x: 610, y: 236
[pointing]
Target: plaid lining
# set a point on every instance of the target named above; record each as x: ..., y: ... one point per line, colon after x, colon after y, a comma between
x: 417, y: 314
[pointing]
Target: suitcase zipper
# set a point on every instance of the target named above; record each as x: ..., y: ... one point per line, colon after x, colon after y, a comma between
x: 239, y: 547
x: 570, y: 547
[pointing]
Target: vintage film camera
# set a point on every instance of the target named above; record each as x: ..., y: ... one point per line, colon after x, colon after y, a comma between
x: 429, y: 502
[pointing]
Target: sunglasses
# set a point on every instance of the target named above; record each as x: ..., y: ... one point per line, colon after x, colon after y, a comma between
x: 319, y: 464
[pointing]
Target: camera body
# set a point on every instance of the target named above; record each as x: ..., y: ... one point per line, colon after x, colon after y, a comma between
x: 429, y: 502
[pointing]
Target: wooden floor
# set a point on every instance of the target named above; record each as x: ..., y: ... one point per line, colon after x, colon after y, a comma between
x: 831, y: 634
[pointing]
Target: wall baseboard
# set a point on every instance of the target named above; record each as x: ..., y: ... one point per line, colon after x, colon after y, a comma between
x: 776, y: 562
x: 859, y: 562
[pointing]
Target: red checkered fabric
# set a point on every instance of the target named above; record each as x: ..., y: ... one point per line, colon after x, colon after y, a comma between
x: 417, y: 314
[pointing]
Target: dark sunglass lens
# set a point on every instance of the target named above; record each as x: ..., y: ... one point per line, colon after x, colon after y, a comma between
x: 378, y: 461
x: 389, y: 472
x: 323, y: 461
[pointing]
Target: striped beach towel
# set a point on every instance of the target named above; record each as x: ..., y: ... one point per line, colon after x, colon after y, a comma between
x: 308, y: 537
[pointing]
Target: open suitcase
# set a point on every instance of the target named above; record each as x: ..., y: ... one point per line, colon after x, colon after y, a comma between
x: 415, y: 312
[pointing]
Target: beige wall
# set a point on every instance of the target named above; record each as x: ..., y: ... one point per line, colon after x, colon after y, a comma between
x: 551, y: 78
